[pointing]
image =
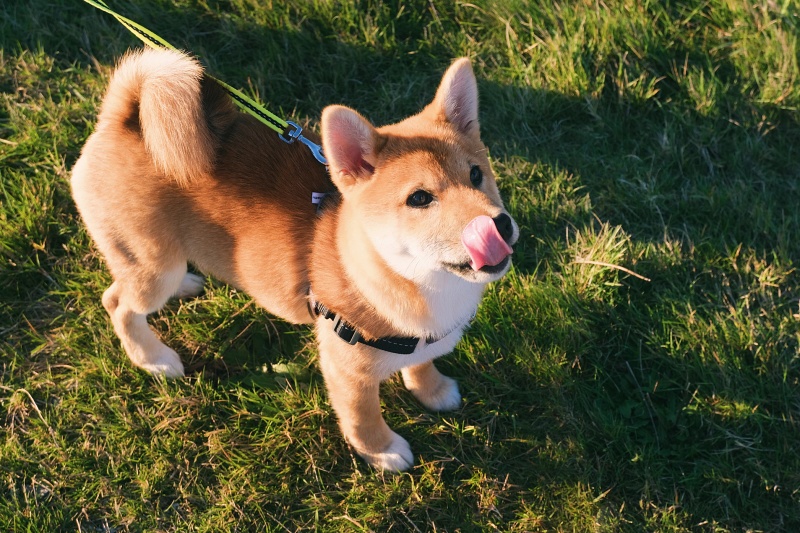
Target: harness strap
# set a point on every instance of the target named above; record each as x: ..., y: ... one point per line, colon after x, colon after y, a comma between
x: 348, y: 333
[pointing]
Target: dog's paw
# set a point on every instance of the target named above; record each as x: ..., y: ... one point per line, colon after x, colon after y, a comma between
x: 446, y: 397
x: 395, y: 458
x: 166, y: 364
x: 191, y: 285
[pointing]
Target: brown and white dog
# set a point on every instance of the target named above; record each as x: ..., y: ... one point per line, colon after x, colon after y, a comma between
x: 405, y: 247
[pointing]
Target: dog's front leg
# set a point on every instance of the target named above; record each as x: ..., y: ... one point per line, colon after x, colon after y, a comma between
x: 353, y: 389
x: 436, y: 391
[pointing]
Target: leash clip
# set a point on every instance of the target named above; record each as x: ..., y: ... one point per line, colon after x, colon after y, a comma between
x: 295, y: 133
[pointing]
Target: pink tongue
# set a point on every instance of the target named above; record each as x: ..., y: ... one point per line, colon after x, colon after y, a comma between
x: 483, y: 242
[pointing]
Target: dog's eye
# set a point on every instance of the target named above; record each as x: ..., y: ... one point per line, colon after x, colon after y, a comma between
x: 419, y: 199
x: 476, y: 175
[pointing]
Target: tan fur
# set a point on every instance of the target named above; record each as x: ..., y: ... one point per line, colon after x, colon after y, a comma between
x: 174, y: 174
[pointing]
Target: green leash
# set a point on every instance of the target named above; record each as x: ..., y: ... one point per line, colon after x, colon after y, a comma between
x: 288, y: 131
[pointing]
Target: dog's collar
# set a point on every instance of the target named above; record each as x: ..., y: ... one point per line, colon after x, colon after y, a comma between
x: 349, y: 334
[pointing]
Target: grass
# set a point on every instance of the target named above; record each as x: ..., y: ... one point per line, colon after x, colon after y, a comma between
x: 657, y: 137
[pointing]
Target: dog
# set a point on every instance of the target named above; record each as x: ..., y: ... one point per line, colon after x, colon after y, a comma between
x: 390, y: 268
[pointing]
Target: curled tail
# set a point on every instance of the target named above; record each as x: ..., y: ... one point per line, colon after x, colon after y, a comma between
x: 159, y: 93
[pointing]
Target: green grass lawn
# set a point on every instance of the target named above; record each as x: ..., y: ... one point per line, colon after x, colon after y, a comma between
x: 638, y: 370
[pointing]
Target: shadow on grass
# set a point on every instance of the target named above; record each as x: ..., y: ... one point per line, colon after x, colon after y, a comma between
x: 649, y: 392
x: 618, y: 411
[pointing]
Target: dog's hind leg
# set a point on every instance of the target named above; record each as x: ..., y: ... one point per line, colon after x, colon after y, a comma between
x: 129, y: 300
x: 191, y: 285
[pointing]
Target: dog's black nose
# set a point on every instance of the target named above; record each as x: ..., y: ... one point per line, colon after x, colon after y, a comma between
x: 504, y: 225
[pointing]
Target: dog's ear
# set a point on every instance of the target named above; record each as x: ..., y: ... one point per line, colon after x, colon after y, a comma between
x: 350, y: 144
x: 456, y: 99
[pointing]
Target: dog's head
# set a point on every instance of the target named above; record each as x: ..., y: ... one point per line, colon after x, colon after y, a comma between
x: 423, y: 190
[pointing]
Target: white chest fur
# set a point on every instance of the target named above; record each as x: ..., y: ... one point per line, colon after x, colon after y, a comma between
x: 452, y: 302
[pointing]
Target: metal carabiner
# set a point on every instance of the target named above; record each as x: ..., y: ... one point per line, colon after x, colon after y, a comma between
x: 316, y: 150
x: 296, y: 134
x: 292, y: 132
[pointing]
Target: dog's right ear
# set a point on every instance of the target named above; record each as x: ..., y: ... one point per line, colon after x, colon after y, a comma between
x: 350, y: 144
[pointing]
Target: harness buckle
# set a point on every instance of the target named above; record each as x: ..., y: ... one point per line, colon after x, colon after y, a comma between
x: 345, y: 332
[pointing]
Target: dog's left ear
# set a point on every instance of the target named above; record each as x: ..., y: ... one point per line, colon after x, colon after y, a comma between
x: 350, y: 144
x: 456, y: 99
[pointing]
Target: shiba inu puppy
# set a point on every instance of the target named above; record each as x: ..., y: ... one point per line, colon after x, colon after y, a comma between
x: 391, y: 269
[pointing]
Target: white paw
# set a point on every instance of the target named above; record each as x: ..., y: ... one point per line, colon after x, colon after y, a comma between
x: 396, y: 458
x: 191, y: 285
x: 166, y: 364
x: 446, y: 397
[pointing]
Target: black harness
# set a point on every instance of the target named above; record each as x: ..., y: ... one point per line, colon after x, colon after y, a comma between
x: 349, y: 334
